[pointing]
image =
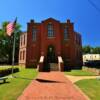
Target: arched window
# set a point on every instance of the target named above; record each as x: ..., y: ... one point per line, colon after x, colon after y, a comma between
x: 21, y: 39
x: 24, y: 39
x: 66, y: 33
x: 20, y: 55
x: 23, y: 54
x: 34, y: 34
x: 50, y: 30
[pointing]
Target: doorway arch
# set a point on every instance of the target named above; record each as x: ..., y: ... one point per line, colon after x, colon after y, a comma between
x: 51, y: 57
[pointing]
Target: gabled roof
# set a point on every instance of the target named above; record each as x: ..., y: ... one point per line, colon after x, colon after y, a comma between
x: 50, y: 19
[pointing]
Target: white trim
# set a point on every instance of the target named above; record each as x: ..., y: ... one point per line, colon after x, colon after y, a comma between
x: 41, y: 59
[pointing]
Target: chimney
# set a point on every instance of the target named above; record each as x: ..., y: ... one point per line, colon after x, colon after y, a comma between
x: 32, y: 21
x: 68, y: 20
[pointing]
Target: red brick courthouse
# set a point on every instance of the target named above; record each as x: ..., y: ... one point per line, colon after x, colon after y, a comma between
x: 50, y: 45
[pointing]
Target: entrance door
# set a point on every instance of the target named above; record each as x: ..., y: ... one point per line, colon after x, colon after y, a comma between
x: 51, y: 54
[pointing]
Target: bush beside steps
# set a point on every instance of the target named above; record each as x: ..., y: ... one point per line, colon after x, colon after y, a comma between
x: 8, y: 71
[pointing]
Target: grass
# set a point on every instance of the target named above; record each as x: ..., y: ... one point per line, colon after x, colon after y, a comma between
x: 15, y: 86
x: 80, y: 73
x: 91, y: 87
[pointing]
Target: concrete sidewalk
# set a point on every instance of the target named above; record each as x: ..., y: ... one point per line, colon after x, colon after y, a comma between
x: 74, y: 79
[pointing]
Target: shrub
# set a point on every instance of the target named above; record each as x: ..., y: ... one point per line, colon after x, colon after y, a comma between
x: 8, y: 71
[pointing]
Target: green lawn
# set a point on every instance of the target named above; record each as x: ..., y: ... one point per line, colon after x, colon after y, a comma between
x: 80, y: 73
x: 91, y: 87
x: 15, y: 86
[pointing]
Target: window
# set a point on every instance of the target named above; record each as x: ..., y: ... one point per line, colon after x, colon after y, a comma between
x: 23, y: 54
x: 50, y: 30
x: 24, y: 39
x: 34, y: 34
x: 21, y: 40
x: 65, y: 33
x: 20, y: 55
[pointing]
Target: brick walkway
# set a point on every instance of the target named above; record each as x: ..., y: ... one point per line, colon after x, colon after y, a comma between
x: 52, y: 86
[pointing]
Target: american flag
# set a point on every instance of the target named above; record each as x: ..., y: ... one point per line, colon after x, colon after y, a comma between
x: 10, y: 27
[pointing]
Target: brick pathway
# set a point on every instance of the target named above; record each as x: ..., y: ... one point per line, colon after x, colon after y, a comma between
x: 52, y: 86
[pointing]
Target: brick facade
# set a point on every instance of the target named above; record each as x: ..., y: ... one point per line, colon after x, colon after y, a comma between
x: 70, y: 49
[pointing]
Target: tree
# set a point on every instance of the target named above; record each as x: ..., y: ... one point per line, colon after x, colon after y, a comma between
x: 86, y: 49
x: 89, y: 49
x: 6, y: 43
x: 96, y: 50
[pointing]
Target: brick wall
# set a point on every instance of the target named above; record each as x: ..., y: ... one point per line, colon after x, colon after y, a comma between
x: 70, y: 49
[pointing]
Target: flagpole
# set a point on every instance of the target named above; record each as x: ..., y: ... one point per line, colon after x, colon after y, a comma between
x: 13, y: 54
x: 10, y: 28
x: 13, y: 51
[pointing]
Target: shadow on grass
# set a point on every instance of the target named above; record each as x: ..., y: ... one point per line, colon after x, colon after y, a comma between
x: 19, y: 77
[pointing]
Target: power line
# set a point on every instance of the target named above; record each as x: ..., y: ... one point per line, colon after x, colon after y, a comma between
x: 94, y: 5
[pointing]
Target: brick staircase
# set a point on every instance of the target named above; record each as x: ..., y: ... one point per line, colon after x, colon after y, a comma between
x: 54, y: 67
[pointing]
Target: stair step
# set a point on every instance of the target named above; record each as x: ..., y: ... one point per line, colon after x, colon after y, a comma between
x: 54, y: 67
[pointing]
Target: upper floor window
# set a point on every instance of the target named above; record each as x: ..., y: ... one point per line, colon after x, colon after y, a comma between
x: 24, y: 39
x: 21, y: 41
x: 34, y: 34
x: 65, y: 33
x: 50, y: 30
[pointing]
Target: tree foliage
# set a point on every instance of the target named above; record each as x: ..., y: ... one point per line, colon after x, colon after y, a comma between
x: 6, y: 43
x: 89, y: 49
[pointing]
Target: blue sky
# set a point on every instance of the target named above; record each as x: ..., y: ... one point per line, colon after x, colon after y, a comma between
x: 85, y: 17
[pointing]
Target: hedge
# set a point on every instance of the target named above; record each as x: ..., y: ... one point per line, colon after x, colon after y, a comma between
x: 8, y: 71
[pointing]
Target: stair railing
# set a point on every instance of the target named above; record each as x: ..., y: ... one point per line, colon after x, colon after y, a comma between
x: 40, y: 64
x: 60, y: 63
